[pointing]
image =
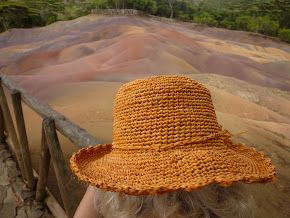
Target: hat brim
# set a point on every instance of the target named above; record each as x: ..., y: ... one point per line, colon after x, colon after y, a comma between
x: 190, y: 167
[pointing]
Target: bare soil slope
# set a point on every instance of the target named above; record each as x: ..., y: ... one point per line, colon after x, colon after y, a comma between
x: 78, y: 66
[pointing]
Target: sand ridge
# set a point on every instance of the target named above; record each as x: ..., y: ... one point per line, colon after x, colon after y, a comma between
x: 131, y: 45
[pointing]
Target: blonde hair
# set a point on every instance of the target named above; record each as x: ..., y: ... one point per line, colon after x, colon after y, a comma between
x: 210, y: 201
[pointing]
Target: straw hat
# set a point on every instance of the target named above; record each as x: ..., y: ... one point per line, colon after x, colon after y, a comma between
x: 167, y: 138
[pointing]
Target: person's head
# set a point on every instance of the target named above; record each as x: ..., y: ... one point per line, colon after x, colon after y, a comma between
x: 208, y: 202
x: 169, y: 156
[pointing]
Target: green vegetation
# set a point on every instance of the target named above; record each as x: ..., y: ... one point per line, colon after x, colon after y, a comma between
x: 284, y: 34
x: 16, y: 14
x: 268, y: 17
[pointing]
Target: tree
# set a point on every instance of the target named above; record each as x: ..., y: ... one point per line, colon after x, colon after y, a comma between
x: 227, y: 24
x: 163, y: 9
x: 243, y: 22
x: 151, y: 7
x: 148, y: 6
x: 47, y: 9
x: 171, y: 6
x: 268, y: 26
x: 283, y: 9
x: 101, y: 4
x: 118, y: 3
x: 15, y: 13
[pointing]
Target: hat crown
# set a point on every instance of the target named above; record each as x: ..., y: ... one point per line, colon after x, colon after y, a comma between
x: 162, y: 110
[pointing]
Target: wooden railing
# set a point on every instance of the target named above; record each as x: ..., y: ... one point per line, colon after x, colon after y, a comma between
x: 50, y: 147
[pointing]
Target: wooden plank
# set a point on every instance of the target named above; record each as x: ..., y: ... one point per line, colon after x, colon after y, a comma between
x: 51, y: 202
x: 53, y: 206
x: 58, y: 164
x: 73, y: 132
x: 11, y: 129
x: 43, y: 169
x: 2, y: 127
x: 23, y: 138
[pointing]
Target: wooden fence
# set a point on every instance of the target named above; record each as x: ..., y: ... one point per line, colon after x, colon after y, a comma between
x: 50, y: 147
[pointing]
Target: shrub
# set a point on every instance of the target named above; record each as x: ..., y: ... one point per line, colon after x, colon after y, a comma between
x: 268, y: 26
x: 243, y: 22
x: 227, y: 24
x: 284, y: 35
x: 254, y: 27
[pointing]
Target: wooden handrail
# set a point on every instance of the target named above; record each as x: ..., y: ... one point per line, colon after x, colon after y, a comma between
x: 50, y: 148
x: 77, y: 135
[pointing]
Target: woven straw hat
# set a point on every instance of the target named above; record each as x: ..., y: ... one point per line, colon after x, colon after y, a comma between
x: 167, y: 138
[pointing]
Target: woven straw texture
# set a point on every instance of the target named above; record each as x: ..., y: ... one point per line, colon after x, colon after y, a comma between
x: 166, y: 138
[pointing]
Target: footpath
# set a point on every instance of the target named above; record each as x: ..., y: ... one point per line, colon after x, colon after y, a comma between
x: 16, y: 200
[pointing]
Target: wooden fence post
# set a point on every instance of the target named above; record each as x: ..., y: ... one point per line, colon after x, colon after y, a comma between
x: 58, y: 164
x: 2, y: 127
x: 16, y: 100
x: 43, y: 169
x: 10, y: 127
